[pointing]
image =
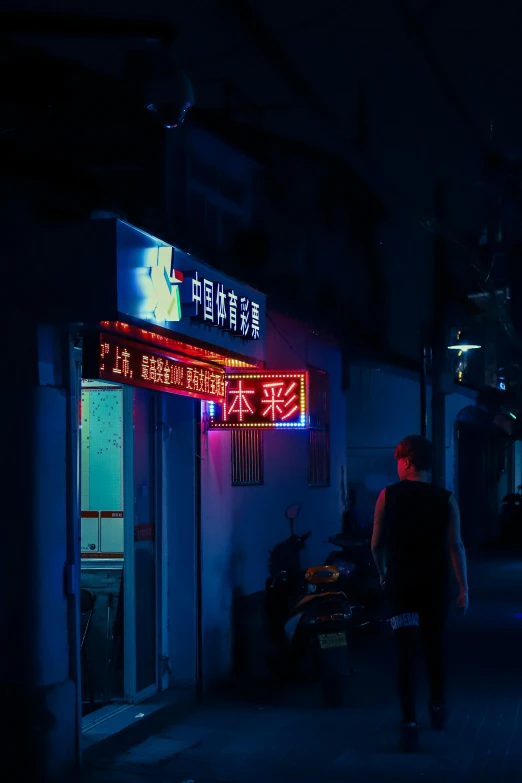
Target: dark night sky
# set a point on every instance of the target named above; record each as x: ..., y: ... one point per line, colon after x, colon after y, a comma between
x: 417, y: 133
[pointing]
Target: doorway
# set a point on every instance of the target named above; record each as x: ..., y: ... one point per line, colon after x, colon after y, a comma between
x: 485, y: 469
x: 118, y: 547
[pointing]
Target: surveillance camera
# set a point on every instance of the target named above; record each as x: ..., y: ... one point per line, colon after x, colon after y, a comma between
x: 170, y: 97
x: 169, y: 115
x: 165, y: 90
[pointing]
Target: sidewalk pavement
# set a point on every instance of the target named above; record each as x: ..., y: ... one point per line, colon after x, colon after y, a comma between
x: 276, y: 735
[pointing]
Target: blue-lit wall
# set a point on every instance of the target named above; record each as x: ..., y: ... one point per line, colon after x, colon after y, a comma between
x: 35, y: 664
x: 241, y: 524
x: 383, y: 406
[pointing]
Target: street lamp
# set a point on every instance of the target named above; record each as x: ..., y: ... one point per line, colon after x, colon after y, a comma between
x: 463, y: 343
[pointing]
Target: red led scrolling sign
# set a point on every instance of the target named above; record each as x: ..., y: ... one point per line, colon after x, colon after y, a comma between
x: 115, y: 359
x: 268, y: 400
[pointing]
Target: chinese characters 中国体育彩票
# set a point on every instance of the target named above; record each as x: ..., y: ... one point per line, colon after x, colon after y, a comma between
x: 212, y: 304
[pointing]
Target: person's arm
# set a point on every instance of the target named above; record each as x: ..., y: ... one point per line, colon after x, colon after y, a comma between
x: 457, y: 552
x: 378, y: 535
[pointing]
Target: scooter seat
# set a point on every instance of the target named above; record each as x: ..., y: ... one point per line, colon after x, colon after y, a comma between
x: 313, y: 597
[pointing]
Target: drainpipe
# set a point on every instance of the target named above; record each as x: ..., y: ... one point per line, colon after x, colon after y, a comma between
x: 439, y: 341
x: 424, y: 353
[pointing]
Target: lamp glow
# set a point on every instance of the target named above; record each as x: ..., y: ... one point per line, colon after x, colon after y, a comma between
x: 462, y: 344
x: 463, y: 347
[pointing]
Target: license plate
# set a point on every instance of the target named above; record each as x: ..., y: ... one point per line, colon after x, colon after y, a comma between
x: 328, y: 640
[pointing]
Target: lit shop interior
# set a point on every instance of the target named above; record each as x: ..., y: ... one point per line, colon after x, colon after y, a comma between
x: 119, y: 465
x: 102, y: 543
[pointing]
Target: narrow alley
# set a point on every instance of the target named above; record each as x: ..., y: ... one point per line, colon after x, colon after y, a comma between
x: 255, y: 734
x: 263, y: 260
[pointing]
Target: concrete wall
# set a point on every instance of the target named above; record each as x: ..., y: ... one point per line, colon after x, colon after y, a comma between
x: 35, y: 664
x: 49, y: 551
x: 383, y: 407
x: 241, y: 524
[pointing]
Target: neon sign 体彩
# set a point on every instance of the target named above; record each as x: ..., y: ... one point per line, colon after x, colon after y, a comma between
x: 115, y: 359
x: 264, y: 400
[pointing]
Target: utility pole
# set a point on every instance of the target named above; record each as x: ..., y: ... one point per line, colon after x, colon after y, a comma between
x: 439, y: 340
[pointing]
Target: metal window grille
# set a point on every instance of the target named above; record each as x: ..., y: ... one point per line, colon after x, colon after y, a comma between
x: 319, y: 433
x: 247, y: 457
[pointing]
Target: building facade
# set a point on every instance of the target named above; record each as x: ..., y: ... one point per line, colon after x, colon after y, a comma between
x: 243, y: 513
x: 324, y: 244
x: 147, y: 508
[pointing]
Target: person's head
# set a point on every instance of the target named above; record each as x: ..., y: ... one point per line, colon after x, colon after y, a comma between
x: 414, y: 456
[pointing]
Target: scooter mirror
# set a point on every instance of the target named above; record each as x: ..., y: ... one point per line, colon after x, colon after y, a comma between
x: 292, y: 511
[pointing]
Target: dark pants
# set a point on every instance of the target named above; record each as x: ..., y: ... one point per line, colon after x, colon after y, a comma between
x: 411, y: 620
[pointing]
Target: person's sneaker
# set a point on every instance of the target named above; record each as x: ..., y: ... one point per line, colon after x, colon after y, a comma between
x: 439, y: 716
x: 409, y: 739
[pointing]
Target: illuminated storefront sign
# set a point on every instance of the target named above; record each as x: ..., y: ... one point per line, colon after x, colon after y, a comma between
x: 166, y: 281
x: 263, y: 400
x: 121, y: 361
x: 166, y: 286
x: 209, y: 302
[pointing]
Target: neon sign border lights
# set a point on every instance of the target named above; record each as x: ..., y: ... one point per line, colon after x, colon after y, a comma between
x: 220, y: 421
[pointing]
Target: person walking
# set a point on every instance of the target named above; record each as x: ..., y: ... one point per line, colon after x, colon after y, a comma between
x: 416, y: 539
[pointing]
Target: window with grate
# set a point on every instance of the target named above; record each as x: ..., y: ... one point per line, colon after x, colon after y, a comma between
x: 247, y: 457
x: 319, y: 432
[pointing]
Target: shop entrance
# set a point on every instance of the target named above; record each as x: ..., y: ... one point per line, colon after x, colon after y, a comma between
x: 118, y: 546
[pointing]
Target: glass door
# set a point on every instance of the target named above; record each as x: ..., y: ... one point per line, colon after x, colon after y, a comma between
x: 140, y: 598
x: 102, y: 544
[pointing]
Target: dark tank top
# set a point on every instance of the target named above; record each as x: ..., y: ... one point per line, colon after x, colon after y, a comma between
x: 416, y: 539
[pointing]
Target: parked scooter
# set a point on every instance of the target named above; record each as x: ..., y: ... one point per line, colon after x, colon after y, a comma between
x: 309, y: 619
x: 358, y: 575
